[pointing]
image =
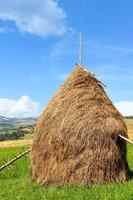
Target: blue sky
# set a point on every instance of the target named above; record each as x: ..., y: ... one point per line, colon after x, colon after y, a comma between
x: 39, y: 45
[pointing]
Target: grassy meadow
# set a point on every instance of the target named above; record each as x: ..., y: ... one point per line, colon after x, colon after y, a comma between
x: 16, y: 183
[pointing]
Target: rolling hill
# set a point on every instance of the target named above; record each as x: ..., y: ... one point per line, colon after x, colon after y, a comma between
x: 15, y: 123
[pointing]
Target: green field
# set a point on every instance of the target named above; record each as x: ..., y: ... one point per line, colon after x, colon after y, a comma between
x: 16, y: 184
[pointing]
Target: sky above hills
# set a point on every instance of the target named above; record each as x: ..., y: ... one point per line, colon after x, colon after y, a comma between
x: 39, y: 45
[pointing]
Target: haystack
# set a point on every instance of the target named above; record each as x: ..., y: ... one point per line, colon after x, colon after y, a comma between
x: 77, y: 136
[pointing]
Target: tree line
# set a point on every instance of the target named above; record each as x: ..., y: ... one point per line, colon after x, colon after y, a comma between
x: 12, y: 135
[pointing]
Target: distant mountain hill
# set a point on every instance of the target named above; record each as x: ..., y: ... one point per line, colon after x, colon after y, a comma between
x: 5, y: 119
x: 15, y: 123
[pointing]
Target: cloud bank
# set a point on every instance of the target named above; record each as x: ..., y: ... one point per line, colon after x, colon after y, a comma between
x: 125, y: 107
x: 40, y: 17
x: 22, y: 108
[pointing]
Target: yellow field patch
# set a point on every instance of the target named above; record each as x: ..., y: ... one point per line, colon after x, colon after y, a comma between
x: 129, y: 123
x: 15, y: 143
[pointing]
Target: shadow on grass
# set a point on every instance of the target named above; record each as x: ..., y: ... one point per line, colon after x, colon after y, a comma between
x: 130, y: 175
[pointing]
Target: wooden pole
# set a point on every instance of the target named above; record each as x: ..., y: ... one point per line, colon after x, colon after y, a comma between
x: 124, y: 138
x: 14, y: 159
x: 80, y: 49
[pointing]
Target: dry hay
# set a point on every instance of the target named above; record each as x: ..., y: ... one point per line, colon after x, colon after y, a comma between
x: 76, y: 138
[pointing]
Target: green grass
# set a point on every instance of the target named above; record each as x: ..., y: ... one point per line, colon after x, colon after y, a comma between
x: 16, y: 184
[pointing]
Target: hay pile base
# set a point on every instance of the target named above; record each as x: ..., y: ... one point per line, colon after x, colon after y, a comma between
x: 76, y: 138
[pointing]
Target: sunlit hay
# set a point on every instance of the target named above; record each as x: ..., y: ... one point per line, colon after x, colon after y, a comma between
x: 76, y: 138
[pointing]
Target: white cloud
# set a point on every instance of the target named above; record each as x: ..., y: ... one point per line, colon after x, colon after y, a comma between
x: 65, y: 47
x: 111, y: 49
x: 40, y: 17
x: 5, y: 29
x: 24, y: 107
x: 125, y: 107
